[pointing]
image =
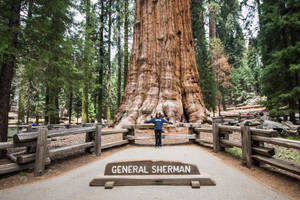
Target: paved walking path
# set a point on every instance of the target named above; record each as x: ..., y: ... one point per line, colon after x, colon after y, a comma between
x: 74, y: 185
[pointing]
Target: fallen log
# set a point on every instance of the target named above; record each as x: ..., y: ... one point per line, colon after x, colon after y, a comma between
x: 245, y: 107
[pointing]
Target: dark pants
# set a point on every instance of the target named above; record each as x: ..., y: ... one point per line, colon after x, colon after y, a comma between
x: 158, y: 138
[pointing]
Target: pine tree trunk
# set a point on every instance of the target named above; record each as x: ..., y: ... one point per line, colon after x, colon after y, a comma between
x: 101, y: 62
x: 37, y: 117
x: 125, y: 43
x: 8, y: 64
x: 47, y: 106
x: 85, y: 93
x: 84, y: 109
x: 54, y: 110
x: 108, y: 103
x: 57, y: 118
x: 163, y: 75
x: 21, y: 107
x: 28, y: 116
x: 70, y: 106
x: 212, y: 22
x: 119, y: 55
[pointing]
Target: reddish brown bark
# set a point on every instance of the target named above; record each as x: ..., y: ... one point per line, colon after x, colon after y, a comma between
x: 163, y: 75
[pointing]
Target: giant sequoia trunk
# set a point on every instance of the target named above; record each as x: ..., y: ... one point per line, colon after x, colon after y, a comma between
x: 163, y: 75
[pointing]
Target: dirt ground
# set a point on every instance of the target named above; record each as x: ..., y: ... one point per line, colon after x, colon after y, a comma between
x: 287, y: 185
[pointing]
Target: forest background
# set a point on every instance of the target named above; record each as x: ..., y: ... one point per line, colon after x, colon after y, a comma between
x: 68, y: 60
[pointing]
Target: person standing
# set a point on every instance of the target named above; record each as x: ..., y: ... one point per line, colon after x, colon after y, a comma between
x: 158, y: 121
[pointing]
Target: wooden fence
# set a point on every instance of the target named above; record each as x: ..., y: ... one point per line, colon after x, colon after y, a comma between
x: 254, y: 150
x: 190, y: 135
x: 37, y: 154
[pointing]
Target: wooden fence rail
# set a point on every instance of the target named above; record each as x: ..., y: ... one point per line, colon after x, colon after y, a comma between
x: 252, y: 144
x: 37, y: 153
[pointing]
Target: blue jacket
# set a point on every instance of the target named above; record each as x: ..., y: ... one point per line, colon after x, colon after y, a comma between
x: 158, y: 123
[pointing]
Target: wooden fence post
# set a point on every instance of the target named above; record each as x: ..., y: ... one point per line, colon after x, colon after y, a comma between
x: 124, y: 136
x: 259, y: 145
x: 246, y: 145
x: 41, y: 152
x: 191, y: 132
x: 216, y: 137
x: 98, y: 140
x: 29, y: 128
x: 223, y: 135
x: 131, y: 132
x: 89, y: 137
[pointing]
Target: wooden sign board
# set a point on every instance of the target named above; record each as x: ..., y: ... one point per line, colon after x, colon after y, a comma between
x: 148, y: 172
x: 149, y: 167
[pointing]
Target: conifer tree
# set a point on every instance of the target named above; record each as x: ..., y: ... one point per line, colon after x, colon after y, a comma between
x: 280, y: 52
x: 9, y: 32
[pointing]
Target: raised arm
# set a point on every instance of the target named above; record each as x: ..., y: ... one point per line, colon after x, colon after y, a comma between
x: 167, y: 122
x: 149, y: 121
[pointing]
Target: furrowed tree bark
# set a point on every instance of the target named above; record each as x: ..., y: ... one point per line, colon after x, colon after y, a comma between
x: 47, y: 105
x: 125, y: 43
x: 101, y: 62
x: 54, y: 107
x: 85, y: 89
x: 212, y: 21
x: 163, y: 75
x: 8, y: 65
x: 119, y: 54
x: 21, y: 106
x: 70, y: 108
x: 108, y: 103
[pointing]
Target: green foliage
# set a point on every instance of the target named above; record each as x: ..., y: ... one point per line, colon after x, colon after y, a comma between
x: 254, y: 63
x: 62, y: 64
x: 221, y: 69
x: 287, y: 154
x: 230, y: 32
x: 242, y: 86
x: 22, y: 173
x: 293, y: 138
x: 235, y: 152
x: 280, y: 41
x: 246, y: 80
x: 206, y: 76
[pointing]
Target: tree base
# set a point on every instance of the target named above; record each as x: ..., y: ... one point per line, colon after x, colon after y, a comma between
x: 163, y: 75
